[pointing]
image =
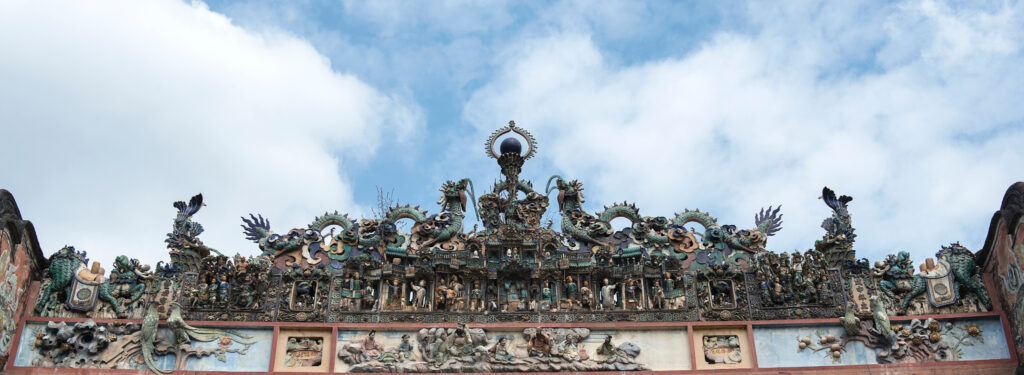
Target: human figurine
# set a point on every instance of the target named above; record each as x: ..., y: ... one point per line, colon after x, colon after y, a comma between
x: 405, y: 349
x: 524, y: 295
x: 586, y: 295
x: 455, y: 294
x: 370, y: 348
x: 224, y: 287
x: 492, y: 297
x: 419, y: 295
x: 511, y: 294
x: 606, y: 352
x: 570, y: 290
x: 369, y: 297
x: 476, y: 297
x: 657, y: 296
x: 440, y: 350
x: 199, y: 295
x: 631, y: 290
x: 607, y: 296
x: 508, y: 253
x: 500, y: 350
x: 394, y: 294
x: 460, y: 342
x: 441, y: 293
x: 539, y: 345
x: 355, y: 283
x: 547, y: 296
x: 355, y: 298
x: 452, y: 299
x: 568, y: 349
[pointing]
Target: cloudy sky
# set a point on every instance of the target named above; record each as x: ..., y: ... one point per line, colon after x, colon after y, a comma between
x: 110, y: 111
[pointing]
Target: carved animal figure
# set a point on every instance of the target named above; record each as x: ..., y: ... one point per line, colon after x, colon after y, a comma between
x: 442, y: 227
x: 881, y: 318
x: 837, y: 243
x: 127, y: 278
x: 185, y: 233
x: 373, y: 235
x: 850, y: 323
x: 653, y: 232
x: 148, y: 338
x: 892, y: 270
x: 185, y: 333
x: 964, y: 269
x: 575, y: 222
x: 63, y: 265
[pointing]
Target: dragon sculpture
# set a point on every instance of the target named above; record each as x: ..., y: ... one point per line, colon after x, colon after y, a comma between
x: 656, y: 233
x: 369, y: 236
x: 64, y: 264
x: 442, y: 227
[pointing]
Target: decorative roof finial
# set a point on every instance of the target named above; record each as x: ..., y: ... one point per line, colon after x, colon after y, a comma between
x: 492, y: 141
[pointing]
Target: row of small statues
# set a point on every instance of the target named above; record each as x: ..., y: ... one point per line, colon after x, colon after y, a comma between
x: 785, y: 280
x: 451, y: 294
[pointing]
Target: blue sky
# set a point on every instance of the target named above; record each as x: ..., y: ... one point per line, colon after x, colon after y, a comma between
x: 292, y: 108
x: 437, y: 54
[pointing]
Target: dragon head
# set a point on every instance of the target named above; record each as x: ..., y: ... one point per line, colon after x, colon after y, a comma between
x: 568, y: 192
x: 453, y: 192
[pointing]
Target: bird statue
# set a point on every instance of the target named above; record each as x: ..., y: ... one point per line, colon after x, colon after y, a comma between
x: 149, y: 331
x: 881, y: 317
x: 850, y: 322
x: 185, y: 333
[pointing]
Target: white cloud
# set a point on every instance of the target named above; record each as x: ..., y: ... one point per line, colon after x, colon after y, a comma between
x: 912, y: 109
x: 109, y: 111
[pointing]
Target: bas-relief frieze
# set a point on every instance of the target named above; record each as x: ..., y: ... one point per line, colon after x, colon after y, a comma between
x: 860, y: 343
x: 137, y: 346
x: 467, y: 349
